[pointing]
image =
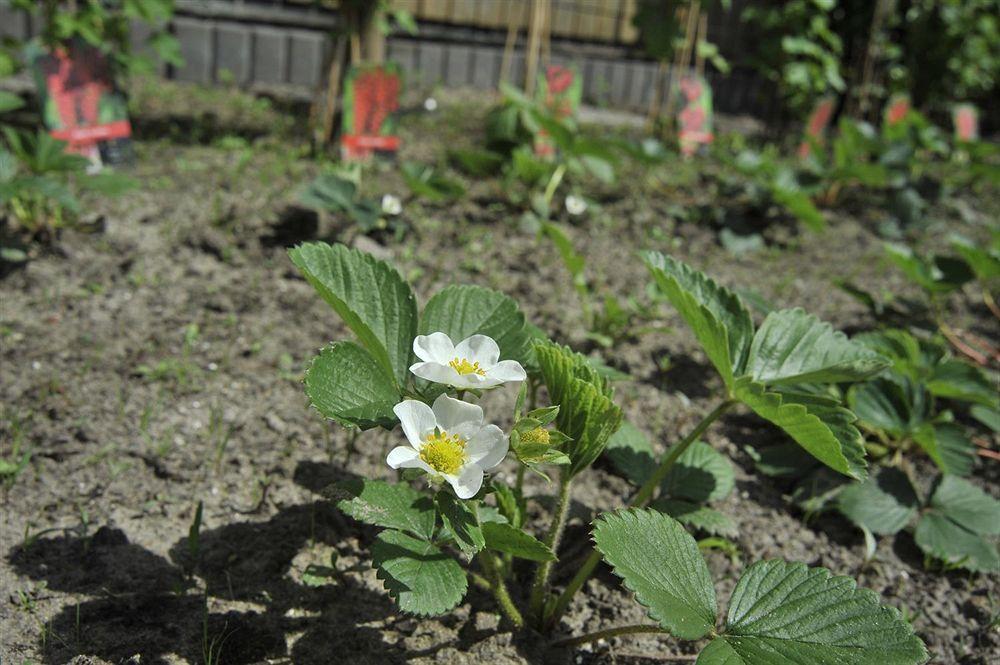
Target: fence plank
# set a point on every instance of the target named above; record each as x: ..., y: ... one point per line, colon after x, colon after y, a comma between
x: 196, y: 40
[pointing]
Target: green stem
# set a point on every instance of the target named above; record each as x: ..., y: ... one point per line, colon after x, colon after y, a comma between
x: 639, y: 499
x: 519, y: 483
x: 499, y: 588
x: 550, y: 189
x: 603, y: 634
x: 552, y: 538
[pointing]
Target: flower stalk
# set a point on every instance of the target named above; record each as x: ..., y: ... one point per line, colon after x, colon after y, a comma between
x: 540, y: 586
x: 499, y: 588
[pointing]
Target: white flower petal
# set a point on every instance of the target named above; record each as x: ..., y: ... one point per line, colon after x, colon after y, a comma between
x: 479, y: 348
x: 507, y: 370
x: 468, y: 482
x: 404, y: 457
x: 416, y: 419
x: 436, y: 347
x: 451, y: 414
x: 439, y: 373
x: 488, y: 447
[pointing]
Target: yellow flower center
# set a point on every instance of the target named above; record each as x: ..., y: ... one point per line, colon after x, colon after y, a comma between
x: 537, y: 435
x: 443, y: 452
x: 463, y: 366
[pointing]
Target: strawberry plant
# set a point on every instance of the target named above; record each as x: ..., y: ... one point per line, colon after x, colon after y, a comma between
x: 426, y: 370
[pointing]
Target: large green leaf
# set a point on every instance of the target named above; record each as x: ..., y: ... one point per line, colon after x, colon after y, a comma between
x: 700, y: 474
x: 718, y: 318
x: 394, y: 506
x: 782, y: 613
x: 461, y: 311
x: 698, y: 517
x: 345, y: 383
x: 420, y: 577
x: 510, y: 540
x: 819, y: 425
x: 893, y: 403
x: 792, y: 346
x: 631, y: 453
x: 956, y: 526
x: 967, y: 505
x: 462, y: 522
x: 954, y: 379
x: 947, y: 445
x: 369, y: 295
x: 883, y: 504
x: 587, y: 415
x: 660, y: 561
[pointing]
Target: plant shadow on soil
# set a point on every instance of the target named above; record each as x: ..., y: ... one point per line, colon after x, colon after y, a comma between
x: 147, y: 604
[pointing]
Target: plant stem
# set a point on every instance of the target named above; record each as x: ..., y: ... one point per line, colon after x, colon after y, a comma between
x: 639, y: 499
x: 550, y: 189
x: 609, y: 632
x: 499, y: 588
x: 519, y: 483
x: 552, y: 538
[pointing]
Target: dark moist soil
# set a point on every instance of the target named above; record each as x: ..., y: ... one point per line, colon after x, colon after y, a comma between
x: 133, y: 416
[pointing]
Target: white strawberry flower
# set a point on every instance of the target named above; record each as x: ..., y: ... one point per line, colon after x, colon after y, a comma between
x: 575, y: 205
x: 391, y: 205
x: 449, y: 441
x: 472, y: 364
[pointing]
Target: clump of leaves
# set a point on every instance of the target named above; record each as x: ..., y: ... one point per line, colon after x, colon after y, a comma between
x: 333, y: 193
x: 430, y: 183
x: 457, y: 513
x: 901, y: 405
x: 956, y: 523
x: 40, y: 180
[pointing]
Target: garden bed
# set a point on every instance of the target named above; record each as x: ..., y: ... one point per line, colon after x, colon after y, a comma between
x: 156, y: 364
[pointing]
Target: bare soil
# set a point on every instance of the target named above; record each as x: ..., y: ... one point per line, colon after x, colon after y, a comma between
x: 156, y: 364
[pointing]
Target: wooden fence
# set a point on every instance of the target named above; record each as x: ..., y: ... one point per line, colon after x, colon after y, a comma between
x: 281, y: 47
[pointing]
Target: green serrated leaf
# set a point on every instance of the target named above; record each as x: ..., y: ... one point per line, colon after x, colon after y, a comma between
x: 717, y: 317
x: 509, y: 504
x: 510, y: 540
x: 953, y: 379
x: 822, y: 427
x: 943, y: 539
x: 394, y: 506
x: 700, y: 474
x: 967, y: 505
x: 420, y: 577
x: 792, y: 346
x: 783, y: 612
x: 699, y: 517
x: 369, y: 295
x: 883, y: 504
x: 587, y: 415
x: 660, y: 561
x: 631, y: 453
x: 462, y: 522
x: 892, y: 403
x: 781, y: 460
x: 345, y: 383
x: 948, y: 447
x: 461, y: 311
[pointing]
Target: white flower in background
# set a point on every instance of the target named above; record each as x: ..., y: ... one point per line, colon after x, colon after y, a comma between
x: 575, y: 205
x: 430, y: 104
x: 391, y: 205
x: 469, y: 365
x: 448, y: 441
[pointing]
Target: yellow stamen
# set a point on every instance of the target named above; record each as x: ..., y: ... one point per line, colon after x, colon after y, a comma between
x: 463, y: 366
x: 443, y: 452
x: 537, y: 435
